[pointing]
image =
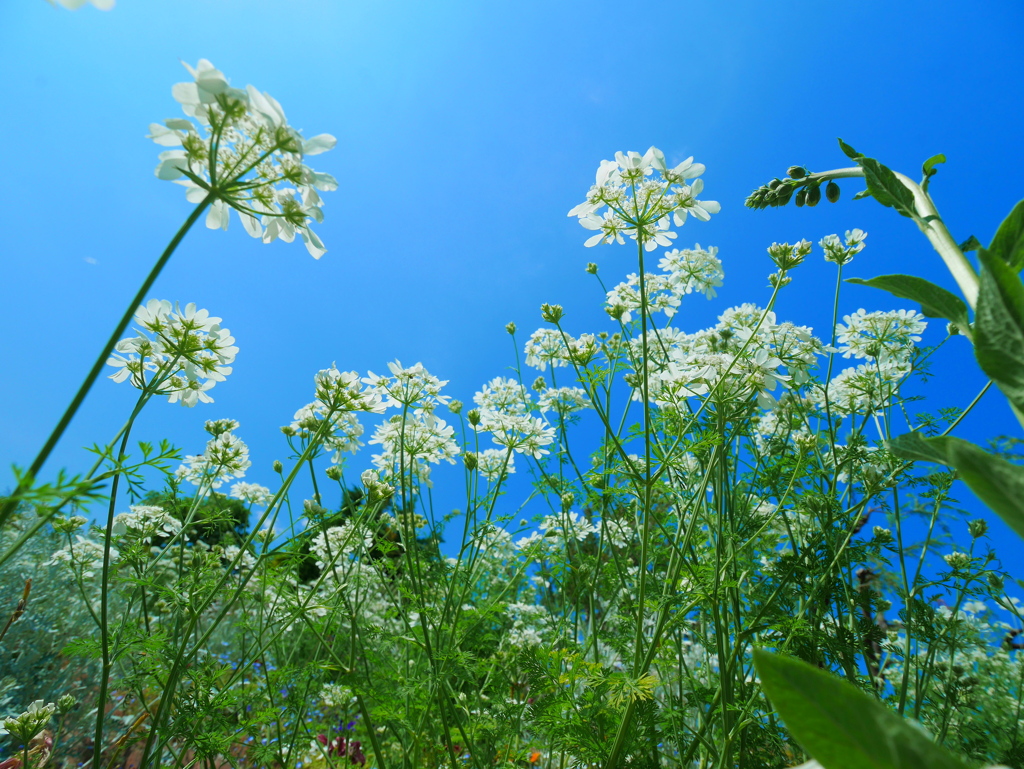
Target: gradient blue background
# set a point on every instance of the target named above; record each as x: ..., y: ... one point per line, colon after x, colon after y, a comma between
x: 466, y: 131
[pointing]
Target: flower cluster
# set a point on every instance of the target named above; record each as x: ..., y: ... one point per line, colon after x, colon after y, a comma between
x: 180, y: 353
x: 226, y: 457
x: 880, y: 335
x: 145, y: 522
x: 27, y: 725
x: 843, y: 252
x: 640, y: 207
x: 243, y: 155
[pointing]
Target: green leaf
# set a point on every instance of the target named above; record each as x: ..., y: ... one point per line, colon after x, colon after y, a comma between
x: 999, y: 326
x: 1008, y: 244
x: 971, y: 244
x: 862, y: 194
x: 849, y: 151
x: 935, y: 301
x: 917, y: 448
x: 998, y: 483
x: 886, y: 188
x: 841, y: 727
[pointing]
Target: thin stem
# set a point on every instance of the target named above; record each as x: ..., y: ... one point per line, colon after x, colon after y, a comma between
x: 11, y: 502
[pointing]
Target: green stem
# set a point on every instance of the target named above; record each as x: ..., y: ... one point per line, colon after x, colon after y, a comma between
x: 11, y: 502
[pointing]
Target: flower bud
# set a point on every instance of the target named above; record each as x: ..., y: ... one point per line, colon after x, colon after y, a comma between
x: 796, y: 172
x: 474, y: 417
x: 469, y: 460
x: 592, y: 268
x: 801, y: 197
x: 995, y: 581
x: 567, y: 500
x: 540, y: 383
x: 977, y: 528
x: 952, y: 329
x: 278, y: 467
x: 65, y: 703
x: 782, y: 195
x: 832, y: 192
x: 774, y: 184
x: 813, y: 196
x: 510, y: 327
x: 333, y: 472
x: 551, y: 313
x: 455, y: 406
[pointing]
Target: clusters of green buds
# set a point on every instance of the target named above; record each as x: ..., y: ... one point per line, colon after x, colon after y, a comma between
x: 800, y: 185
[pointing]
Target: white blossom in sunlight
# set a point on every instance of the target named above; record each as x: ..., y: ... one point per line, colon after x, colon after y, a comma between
x: 566, y: 527
x: 623, y: 300
x: 337, y: 542
x: 519, y: 432
x: 341, y: 437
x: 644, y: 198
x: 564, y: 401
x: 841, y: 252
x: 494, y: 464
x: 864, y: 389
x: 693, y: 269
x: 409, y: 387
x: 145, y: 522
x: 187, y: 354
x: 238, y: 151
x: 343, y: 391
x: 880, y: 335
x: 412, y: 442
x: 546, y: 345
x: 226, y: 457
x: 504, y: 394
x: 252, y: 493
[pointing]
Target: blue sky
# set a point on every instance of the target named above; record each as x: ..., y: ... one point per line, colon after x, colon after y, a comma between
x: 466, y: 131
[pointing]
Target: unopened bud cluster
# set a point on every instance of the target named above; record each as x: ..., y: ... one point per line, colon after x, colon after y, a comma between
x: 800, y: 186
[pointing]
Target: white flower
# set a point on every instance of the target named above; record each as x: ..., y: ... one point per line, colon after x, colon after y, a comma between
x: 503, y: 394
x: 226, y: 457
x: 258, y: 169
x: 342, y: 391
x: 494, y: 464
x: 563, y: 400
x: 252, y: 493
x: 411, y: 387
x: 520, y: 432
x: 642, y: 207
x: 186, y: 356
x: 146, y: 522
x: 546, y: 345
x: 693, y: 269
x: 880, y: 335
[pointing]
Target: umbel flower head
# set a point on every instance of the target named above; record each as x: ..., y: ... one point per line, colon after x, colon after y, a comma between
x: 180, y: 353
x: 640, y: 204
x: 237, y: 147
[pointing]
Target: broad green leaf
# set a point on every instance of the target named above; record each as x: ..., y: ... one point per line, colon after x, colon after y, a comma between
x: 841, y: 727
x: 998, y: 483
x: 849, y: 151
x: 935, y: 301
x: 886, y: 188
x: 999, y: 327
x: 1008, y: 244
x: 916, y: 447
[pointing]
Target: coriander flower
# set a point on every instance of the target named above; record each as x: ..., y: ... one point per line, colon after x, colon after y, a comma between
x: 519, y: 432
x: 253, y: 493
x: 145, y: 522
x: 840, y: 253
x: 495, y: 464
x: 180, y: 353
x: 503, y: 394
x: 880, y: 335
x: 641, y: 207
x: 238, y: 151
x: 27, y: 725
x: 693, y: 269
x: 226, y: 457
x: 413, y: 387
x: 564, y: 401
x: 546, y: 345
x: 623, y: 300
